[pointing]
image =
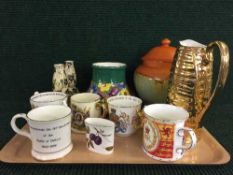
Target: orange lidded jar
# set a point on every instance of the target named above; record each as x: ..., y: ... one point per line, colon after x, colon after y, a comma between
x: 151, y: 78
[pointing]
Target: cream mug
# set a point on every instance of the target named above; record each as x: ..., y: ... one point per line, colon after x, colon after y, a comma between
x: 85, y: 105
x: 48, y: 98
x: 163, y: 132
x: 49, y: 131
x: 123, y: 111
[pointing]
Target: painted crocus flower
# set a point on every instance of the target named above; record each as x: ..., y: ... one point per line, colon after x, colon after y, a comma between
x: 114, y: 91
x: 104, y: 87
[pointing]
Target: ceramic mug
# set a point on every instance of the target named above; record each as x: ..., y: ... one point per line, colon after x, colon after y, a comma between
x: 123, y: 111
x: 163, y: 132
x: 48, y: 98
x: 100, y: 135
x: 49, y: 131
x: 85, y: 105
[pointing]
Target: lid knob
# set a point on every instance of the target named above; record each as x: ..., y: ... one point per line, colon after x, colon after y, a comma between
x: 165, y: 42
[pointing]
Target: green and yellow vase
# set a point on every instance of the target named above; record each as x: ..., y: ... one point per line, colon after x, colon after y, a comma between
x: 108, y: 79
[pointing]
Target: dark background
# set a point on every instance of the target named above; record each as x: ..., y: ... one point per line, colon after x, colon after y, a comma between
x: 36, y: 34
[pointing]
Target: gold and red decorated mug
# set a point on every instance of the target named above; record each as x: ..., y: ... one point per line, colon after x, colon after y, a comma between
x: 163, y: 132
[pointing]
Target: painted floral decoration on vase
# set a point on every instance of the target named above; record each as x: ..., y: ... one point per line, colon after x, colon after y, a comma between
x: 106, y: 90
x: 108, y: 79
x: 59, y: 80
x: 71, y: 77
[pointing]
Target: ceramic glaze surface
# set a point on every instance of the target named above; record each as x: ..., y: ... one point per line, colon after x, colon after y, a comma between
x: 163, y: 132
x: 150, y: 89
x: 48, y: 98
x: 85, y: 105
x: 123, y: 111
x: 106, y: 90
x: 190, y: 84
x: 60, y: 83
x: 100, y: 135
x: 71, y: 77
x: 50, y: 131
x: 108, y: 79
x: 151, y: 78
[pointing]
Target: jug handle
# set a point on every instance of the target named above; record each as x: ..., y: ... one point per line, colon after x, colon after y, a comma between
x: 223, y: 69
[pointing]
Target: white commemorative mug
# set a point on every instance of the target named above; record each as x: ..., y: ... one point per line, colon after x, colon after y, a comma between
x: 48, y: 98
x: 124, y: 112
x: 49, y: 131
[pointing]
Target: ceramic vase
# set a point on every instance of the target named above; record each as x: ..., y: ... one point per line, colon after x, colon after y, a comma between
x: 71, y: 77
x: 108, y: 79
x: 60, y: 83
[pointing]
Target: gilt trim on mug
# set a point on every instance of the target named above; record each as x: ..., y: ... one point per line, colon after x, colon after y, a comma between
x: 34, y: 97
x: 111, y: 100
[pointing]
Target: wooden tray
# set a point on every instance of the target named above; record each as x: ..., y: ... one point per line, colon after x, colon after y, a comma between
x: 127, y: 150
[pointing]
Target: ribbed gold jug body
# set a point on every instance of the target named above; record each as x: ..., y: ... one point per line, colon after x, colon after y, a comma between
x: 190, y: 82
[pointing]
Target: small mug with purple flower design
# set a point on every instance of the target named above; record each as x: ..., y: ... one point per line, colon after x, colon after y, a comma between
x: 100, y: 135
x: 124, y: 112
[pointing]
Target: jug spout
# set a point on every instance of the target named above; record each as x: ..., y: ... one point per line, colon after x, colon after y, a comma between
x: 191, y: 43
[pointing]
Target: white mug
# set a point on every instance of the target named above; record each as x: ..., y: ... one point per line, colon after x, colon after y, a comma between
x: 123, y: 111
x: 48, y: 98
x: 50, y: 131
x: 100, y: 135
x: 163, y: 132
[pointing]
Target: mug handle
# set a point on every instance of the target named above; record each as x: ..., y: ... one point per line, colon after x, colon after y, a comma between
x: 140, y: 119
x: 104, y: 108
x: 193, y: 138
x: 16, y: 129
x: 36, y: 93
x: 65, y: 103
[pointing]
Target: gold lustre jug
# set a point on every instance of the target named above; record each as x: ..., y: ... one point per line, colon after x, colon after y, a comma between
x: 190, y: 84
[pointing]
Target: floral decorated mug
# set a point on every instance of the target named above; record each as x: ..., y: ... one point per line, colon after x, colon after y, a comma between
x: 123, y: 111
x: 85, y: 105
x: 100, y: 135
x: 163, y: 132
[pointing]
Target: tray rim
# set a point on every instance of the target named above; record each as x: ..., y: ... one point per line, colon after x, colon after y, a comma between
x: 226, y: 157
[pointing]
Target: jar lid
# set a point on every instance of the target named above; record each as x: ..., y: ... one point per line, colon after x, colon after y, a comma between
x: 164, y: 53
